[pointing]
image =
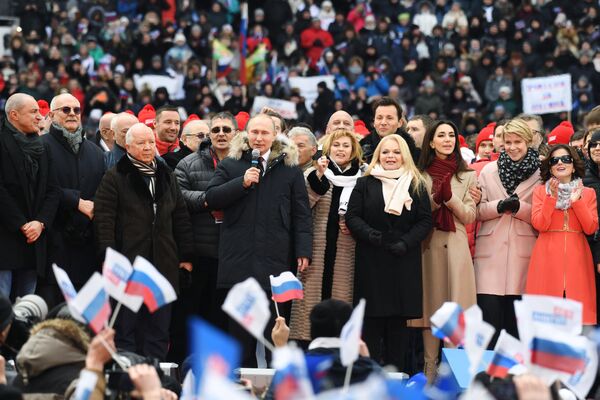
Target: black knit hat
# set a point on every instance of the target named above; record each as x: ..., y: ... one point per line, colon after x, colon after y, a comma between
x: 6, y: 312
x: 328, y: 317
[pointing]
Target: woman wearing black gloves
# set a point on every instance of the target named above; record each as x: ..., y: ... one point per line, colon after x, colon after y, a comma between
x: 506, y: 237
x: 447, y: 265
x: 389, y: 214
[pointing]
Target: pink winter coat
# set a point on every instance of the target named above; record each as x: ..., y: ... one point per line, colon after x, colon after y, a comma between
x: 504, y: 241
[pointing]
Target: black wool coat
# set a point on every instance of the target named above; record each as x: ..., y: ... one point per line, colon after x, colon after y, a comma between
x: 390, y: 284
x: 71, y: 236
x: 18, y: 206
x: 592, y: 180
x: 265, y: 226
x: 193, y: 174
x: 125, y: 219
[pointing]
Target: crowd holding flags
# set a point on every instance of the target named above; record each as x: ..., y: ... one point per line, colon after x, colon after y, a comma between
x: 551, y: 344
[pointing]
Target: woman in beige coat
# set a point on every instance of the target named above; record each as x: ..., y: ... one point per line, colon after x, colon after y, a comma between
x: 447, y: 265
x: 506, y: 237
x: 331, y: 272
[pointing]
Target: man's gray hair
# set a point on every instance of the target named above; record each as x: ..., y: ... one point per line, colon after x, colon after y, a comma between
x: 55, y: 99
x: 129, y: 135
x: 192, y: 124
x: 533, y: 117
x: 302, y: 131
x: 118, y: 118
x: 225, y: 115
x: 16, y: 101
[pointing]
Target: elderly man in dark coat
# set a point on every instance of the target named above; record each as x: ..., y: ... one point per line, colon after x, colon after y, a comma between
x: 267, y: 221
x: 28, y: 196
x: 78, y: 168
x: 140, y: 211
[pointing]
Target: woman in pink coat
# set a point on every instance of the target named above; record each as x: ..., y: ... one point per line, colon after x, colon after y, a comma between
x: 506, y: 237
x: 564, y: 212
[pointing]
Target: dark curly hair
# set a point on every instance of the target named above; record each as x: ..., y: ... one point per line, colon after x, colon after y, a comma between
x: 578, y: 163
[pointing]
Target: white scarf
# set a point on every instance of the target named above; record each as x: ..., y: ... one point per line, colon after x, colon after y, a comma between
x: 395, y: 185
x: 564, y: 192
x: 345, y: 182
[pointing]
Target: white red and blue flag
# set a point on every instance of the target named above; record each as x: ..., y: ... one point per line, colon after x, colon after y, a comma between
x: 147, y: 282
x: 92, y: 303
x: 557, y: 355
x: 449, y: 323
x: 286, y: 287
x: 116, y: 272
x: 507, y: 354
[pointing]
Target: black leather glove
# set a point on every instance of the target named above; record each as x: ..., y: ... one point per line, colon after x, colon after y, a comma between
x: 511, y: 204
x: 398, y: 249
x: 375, y: 238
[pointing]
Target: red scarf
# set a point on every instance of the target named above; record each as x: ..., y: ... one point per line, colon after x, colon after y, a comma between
x: 439, y: 171
x: 166, y: 147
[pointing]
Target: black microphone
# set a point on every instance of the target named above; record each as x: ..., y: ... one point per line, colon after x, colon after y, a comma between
x: 255, y: 157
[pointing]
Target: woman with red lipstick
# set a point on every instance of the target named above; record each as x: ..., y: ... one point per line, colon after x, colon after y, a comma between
x: 506, y: 238
x: 564, y: 211
x: 447, y: 265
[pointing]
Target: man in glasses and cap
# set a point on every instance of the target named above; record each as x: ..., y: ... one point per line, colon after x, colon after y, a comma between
x: 193, y: 174
x: 78, y: 166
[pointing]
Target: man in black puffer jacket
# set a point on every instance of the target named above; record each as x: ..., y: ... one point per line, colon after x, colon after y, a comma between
x: 193, y: 174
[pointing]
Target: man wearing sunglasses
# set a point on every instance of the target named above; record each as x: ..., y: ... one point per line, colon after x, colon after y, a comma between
x: 193, y: 174
x: 78, y: 166
x: 194, y: 131
x: 28, y: 196
x: 266, y: 217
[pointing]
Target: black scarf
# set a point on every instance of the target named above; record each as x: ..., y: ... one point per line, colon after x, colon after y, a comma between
x: 32, y: 147
x: 512, y: 173
x: 148, y: 171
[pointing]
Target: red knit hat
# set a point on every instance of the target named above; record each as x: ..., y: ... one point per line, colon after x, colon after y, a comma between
x: 147, y: 115
x: 130, y: 112
x: 361, y: 128
x: 487, y: 133
x: 462, y: 141
x: 192, y: 117
x: 44, y: 107
x: 242, y: 119
x: 561, y: 134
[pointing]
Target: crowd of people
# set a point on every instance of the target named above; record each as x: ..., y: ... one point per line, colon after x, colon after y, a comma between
x: 445, y: 192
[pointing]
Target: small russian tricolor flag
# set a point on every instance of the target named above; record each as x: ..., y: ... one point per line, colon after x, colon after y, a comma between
x: 507, y: 354
x: 147, y: 282
x: 286, y: 287
x: 449, y: 323
x: 559, y: 356
x: 92, y: 303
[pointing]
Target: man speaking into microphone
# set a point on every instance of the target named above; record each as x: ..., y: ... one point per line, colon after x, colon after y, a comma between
x: 267, y: 221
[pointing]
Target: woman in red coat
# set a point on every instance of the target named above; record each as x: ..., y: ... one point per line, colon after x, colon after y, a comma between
x: 564, y: 211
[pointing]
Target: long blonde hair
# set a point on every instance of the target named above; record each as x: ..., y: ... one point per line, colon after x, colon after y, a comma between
x: 407, y: 160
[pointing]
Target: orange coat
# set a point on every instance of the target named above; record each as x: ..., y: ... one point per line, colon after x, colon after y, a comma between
x: 561, y: 262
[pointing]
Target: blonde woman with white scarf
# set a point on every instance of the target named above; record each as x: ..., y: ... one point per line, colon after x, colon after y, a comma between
x: 389, y: 214
x: 331, y: 272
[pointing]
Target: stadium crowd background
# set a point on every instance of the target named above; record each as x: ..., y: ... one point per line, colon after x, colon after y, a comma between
x: 462, y: 60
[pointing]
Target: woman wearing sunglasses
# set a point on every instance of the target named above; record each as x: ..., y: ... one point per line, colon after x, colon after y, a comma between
x: 564, y: 211
x: 506, y: 238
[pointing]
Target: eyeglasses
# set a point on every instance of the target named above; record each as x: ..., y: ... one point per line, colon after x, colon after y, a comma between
x: 198, y: 135
x: 67, y: 110
x: 593, y: 145
x: 224, y: 129
x: 563, y: 159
